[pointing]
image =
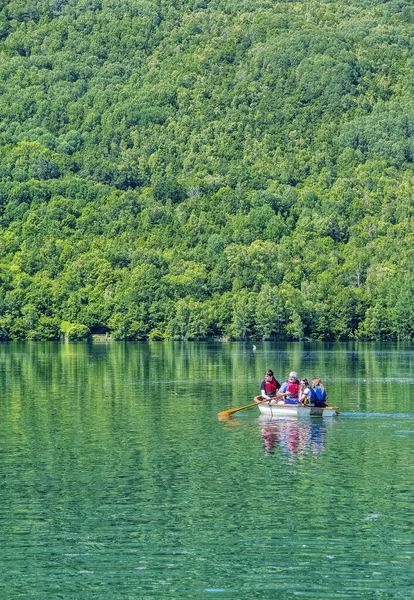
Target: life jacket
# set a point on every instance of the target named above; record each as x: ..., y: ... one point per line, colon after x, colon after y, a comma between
x: 271, y: 387
x: 310, y: 397
x: 320, y: 394
x: 293, y: 388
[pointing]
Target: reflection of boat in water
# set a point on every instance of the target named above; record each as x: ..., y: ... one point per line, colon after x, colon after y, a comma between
x: 294, y: 436
x: 294, y: 410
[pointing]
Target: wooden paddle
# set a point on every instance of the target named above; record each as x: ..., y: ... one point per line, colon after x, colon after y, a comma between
x: 226, y: 413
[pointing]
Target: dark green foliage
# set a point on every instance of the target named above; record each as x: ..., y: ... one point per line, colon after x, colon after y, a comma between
x: 205, y: 168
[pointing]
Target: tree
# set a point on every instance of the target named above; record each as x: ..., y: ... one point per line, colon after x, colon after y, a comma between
x: 269, y: 315
x: 243, y: 309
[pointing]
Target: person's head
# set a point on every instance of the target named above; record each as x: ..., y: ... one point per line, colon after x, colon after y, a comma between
x: 269, y: 374
x: 303, y: 384
x: 317, y: 381
x: 293, y: 376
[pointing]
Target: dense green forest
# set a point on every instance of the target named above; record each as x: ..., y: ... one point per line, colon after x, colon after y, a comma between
x: 185, y: 169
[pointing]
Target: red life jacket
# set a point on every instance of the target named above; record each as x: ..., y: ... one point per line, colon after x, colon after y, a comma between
x: 271, y: 386
x: 293, y: 388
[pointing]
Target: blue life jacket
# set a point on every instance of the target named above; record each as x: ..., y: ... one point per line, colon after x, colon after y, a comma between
x: 313, y: 397
x: 320, y: 396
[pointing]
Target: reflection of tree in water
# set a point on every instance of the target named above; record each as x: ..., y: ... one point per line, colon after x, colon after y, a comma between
x: 294, y: 436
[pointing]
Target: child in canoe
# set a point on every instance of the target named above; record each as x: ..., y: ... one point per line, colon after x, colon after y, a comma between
x: 269, y: 386
x: 307, y: 394
x: 320, y: 392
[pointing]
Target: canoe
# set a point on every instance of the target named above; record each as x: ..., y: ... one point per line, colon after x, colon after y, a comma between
x: 295, y: 410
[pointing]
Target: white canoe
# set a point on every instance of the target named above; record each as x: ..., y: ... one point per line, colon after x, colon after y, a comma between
x: 295, y: 410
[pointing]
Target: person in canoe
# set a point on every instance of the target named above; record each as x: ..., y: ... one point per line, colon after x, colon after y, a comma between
x: 269, y: 386
x: 307, y: 394
x: 320, y: 392
x: 290, y: 388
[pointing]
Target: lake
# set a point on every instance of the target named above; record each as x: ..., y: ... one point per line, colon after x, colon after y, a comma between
x: 117, y: 480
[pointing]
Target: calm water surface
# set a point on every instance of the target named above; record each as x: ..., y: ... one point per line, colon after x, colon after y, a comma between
x: 118, y: 481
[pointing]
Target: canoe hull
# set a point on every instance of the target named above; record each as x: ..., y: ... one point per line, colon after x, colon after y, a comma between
x: 295, y: 410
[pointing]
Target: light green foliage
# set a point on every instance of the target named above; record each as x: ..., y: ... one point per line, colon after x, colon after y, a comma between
x: 74, y: 331
x: 194, y: 169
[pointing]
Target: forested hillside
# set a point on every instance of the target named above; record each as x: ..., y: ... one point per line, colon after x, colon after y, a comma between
x: 192, y: 168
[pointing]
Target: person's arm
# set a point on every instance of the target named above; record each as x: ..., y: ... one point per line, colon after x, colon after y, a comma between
x: 281, y: 393
x: 263, y: 391
x: 283, y: 388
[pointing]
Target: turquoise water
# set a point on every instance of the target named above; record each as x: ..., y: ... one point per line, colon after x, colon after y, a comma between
x: 117, y: 480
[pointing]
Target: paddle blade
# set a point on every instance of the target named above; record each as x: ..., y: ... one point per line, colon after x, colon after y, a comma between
x: 230, y: 411
x: 224, y: 414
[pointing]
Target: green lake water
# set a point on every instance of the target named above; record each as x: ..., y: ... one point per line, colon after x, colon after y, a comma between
x: 117, y: 480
